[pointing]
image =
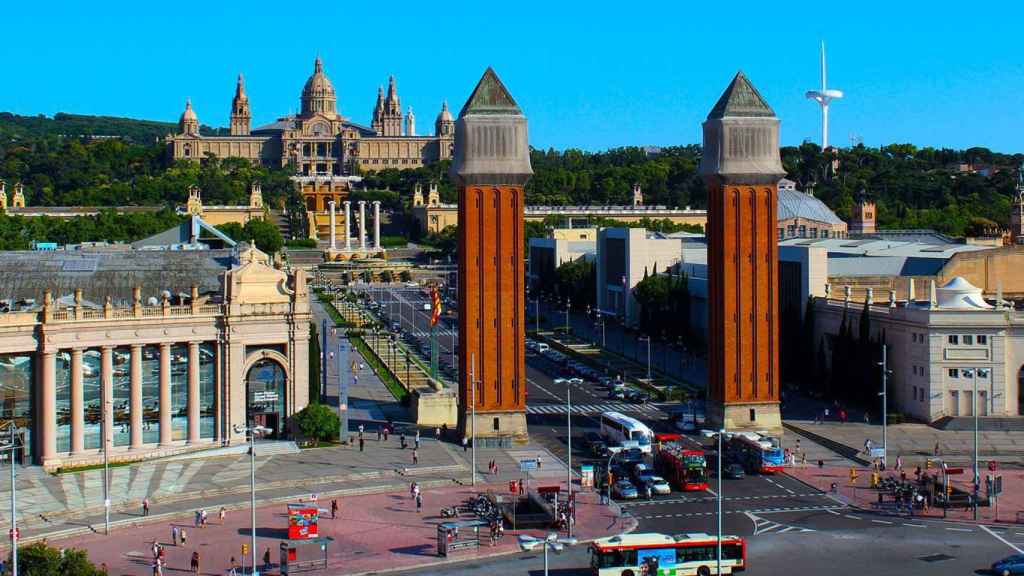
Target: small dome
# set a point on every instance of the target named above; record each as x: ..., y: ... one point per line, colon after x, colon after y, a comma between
x: 318, y: 85
x: 959, y: 294
x: 445, y: 115
x: 188, y: 114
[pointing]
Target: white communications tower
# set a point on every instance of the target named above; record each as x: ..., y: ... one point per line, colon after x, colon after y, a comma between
x: 823, y: 97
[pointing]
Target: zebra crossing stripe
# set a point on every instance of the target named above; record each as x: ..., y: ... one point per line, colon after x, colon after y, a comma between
x: 763, y: 526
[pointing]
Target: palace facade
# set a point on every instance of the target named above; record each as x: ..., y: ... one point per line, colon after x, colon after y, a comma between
x: 319, y: 141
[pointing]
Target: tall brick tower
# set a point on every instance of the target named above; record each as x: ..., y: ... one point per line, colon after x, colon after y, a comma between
x: 490, y: 169
x: 742, y: 168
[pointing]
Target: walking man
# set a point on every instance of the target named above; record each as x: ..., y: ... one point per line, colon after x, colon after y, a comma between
x: 195, y: 562
x: 361, y: 442
x: 174, y: 535
x: 415, y: 456
x: 145, y: 506
x: 334, y: 508
x: 401, y: 440
x: 266, y: 559
x: 419, y: 502
x: 417, y: 440
x: 222, y: 514
x: 184, y: 537
x: 386, y: 430
x: 465, y: 444
x: 378, y: 433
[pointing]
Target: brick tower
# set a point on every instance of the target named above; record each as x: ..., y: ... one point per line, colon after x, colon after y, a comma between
x: 490, y: 169
x: 742, y: 168
x: 862, y: 219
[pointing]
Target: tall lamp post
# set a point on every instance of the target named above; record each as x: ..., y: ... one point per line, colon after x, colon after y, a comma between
x: 13, y: 435
x: 718, y: 556
x: 568, y: 468
x: 648, y: 340
x: 551, y: 541
x: 568, y: 304
x: 885, y: 404
x: 251, y: 432
x: 472, y: 424
x: 973, y: 375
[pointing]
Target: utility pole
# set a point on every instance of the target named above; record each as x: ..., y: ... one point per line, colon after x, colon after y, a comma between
x: 718, y: 557
x: 568, y: 469
x: 885, y: 404
x: 472, y: 385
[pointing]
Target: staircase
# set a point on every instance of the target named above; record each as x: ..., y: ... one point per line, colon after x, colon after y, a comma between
x: 279, y: 218
x: 985, y: 423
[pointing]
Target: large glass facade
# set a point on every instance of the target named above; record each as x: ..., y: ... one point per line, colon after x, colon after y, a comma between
x: 265, y: 392
x: 179, y: 392
x: 92, y: 398
x: 122, y: 396
x: 150, y: 394
x: 207, y: 385
x: 63, y: 384
x: 17, y: 375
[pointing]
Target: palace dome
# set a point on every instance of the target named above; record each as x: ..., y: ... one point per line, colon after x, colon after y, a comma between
x: 318, y: 94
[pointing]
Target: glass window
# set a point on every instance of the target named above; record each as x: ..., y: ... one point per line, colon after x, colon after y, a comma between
x: 803, y: 231
x: 814, y: 232
x: 954, y: 372
x: 122, y: 396
x: 953, y: 339
x: 179, y: 391
x: 782, y: 234
x: 791, y: 230
x: 824, y: 233
x: 207, y: 384
x: 982, y: 339
x: 968, y: 340
x: 92, y: 397
x: 151, y: 394
x: 17, y: 373
x: 63, y: 401
x: 265, y: 383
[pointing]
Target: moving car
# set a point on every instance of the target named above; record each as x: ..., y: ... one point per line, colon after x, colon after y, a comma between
x: 624, y: 489
x: 734, y: 472
x: 658, y: 485
x: 1009, y: 565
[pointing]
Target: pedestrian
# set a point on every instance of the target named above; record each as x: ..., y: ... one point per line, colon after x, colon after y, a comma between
x: 3, y: 566
x: 266, y: 559
x: 401, y: 440
x: 465, y: 444
x: 648, y: 491
x: 378, y: 433
x: 222, y: 514
x: 195, y: 562
x: 156, y: 569
x: 444, y: 430
x: 415, y: 456
x: 867, y: 418
x: 145, y: 506
x: 495, y: 468
x: 417, y: 440
x: 184, y: 537
x: 155, y: 548
x: 867, y: 446
x: 899, y: 463
x: 202, y: 518
x: 174, y: 535
x: 412, y: 490
x: 936, y: 449
x: 334, y: 508
x: 233, y: 570
x: 387, y: 429
x: 360, y: 430
x: 419, y: 502
x: 361, y: 442
x: 161, y: 557
x: 196, y: 519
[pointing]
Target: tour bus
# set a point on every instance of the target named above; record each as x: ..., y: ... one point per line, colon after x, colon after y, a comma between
x: 757, y: 453
x: 661, y: 554
x: 686, y: 469
x: 621, y: 431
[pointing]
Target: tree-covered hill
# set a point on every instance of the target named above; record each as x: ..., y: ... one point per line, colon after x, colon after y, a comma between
x: 19, y: 128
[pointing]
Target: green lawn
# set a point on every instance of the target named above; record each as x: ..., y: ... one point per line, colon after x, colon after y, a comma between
x: 382, y: 372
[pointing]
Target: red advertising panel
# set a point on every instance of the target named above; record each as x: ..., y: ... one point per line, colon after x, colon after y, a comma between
x: 302, y: 521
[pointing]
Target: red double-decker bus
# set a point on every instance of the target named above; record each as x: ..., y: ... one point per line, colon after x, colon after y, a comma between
x: 686, y: 469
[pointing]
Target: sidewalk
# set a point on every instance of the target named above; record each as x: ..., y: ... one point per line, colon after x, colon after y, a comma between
x: 860, y: 495
x: 377, y: 533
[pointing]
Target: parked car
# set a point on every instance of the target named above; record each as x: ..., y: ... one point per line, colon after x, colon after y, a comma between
x: 624, y: 490
x: 617, y: 395
x: 575, y: 380
x: 734, y: 472
x: 542, y: 347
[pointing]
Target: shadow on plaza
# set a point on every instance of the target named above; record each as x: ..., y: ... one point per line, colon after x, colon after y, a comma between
x: 278, y: 533
x: 416, y: 550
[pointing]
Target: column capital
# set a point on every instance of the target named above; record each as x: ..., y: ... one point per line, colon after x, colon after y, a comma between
x: 136, y: 346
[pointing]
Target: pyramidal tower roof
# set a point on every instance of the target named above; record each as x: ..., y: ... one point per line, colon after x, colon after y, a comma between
x: 742, y: 100
x: 490, y: 97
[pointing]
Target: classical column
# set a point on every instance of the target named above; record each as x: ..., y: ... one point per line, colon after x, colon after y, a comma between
x: 218, y: 393
x: 376, y: 224
x: 77, y: 403
x: 48, y: 406
x: 193, y: 383
x: 362, y: 224
x: 165, y: 394
x: 135, y: 410
x: 348, y: 227
x: 107, y: 395
x: 334, y: 245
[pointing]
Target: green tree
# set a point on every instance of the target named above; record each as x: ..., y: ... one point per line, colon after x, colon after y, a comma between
x: 233, y: 230
x: 406, y: 276
x: 265, y: 235
x: 386, y: 276
x: 318, y: 422
x: 38, y: 559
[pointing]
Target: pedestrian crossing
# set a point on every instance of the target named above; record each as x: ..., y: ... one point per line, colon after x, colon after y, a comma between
x: 765, y: 526
x: 647, y: 409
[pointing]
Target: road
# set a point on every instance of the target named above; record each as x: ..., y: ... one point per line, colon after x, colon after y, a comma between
x: 783, y: 519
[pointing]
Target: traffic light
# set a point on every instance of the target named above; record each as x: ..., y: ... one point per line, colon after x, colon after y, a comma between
x: 245, y: 549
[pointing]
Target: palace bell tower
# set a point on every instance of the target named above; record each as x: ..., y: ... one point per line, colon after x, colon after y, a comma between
x: 241, y: 118
x: 742, y: 168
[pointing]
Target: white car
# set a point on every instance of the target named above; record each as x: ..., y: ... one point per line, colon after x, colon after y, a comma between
x: 575, y: 380
x: 658, y: 485
x: 560, y: 381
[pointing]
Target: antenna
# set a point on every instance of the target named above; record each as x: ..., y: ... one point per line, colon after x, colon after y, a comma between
x: 823, y: 97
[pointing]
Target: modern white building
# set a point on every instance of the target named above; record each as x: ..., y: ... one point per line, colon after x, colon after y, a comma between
x: 947, y: 348
x: 623, y: 254
x: 564, y: 245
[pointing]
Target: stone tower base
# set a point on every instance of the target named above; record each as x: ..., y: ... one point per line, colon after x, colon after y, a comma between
x: 511, y: 428
x: 736, y: 417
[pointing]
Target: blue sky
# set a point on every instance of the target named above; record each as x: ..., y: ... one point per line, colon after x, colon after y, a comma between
x: 589, y: 75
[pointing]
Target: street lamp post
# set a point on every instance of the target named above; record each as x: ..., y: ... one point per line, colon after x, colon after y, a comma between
x: 568, y: 468
x: 973, y: 375
x: 568, y: 304
x: 648, y: 340
x: 536, y: 310
x: 552, y: 541
x: 14, y: 432
x: 251, y: 432
x: 472, y: 424
x: 718, y: 556
x: 106, y: 470
x: 885, y: 404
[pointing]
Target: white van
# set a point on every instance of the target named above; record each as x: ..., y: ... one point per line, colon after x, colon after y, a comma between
x: 542, y: 347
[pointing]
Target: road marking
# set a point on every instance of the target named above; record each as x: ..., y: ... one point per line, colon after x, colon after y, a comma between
x: 914, y: 525
x: 882, y: 522
x: 790, y: 491
x: 713, y: 493
x: 833, y: 512
x: 852, y: 517
x: 960, y: 529
x: 1000, y: 538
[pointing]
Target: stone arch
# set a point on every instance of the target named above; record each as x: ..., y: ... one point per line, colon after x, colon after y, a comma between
x: 267, y: 380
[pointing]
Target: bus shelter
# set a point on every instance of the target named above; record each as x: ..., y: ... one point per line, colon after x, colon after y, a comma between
x: 459, y: 535
x: 304, y: 555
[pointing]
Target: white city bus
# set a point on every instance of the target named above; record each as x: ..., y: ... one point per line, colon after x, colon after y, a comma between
x: 661, y: 554
x: 623, y: 432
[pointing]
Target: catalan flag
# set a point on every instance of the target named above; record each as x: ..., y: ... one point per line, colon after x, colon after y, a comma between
x: 435, y: 314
